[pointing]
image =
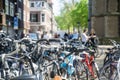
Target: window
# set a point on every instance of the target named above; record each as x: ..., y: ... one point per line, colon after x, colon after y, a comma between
x: 20, y: 13
x: 7, y: 7
x: 11, y: 9
x: 43, y: 17
x: 34, y: 17
x: 32, y: 4
x: 43, y: 4
x: 38, y: 4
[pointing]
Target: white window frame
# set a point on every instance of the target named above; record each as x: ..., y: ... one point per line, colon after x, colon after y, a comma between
x: 20, y: 15
x: 11, y: 9
x: 43, y: 17
x: 7, y: 7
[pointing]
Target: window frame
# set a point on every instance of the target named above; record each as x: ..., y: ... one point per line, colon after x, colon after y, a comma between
x: 43, y: 17
x: 33, y: 4
x: 11, y: 9
x: 7, y: 7
x: 34, y: 17
x: 20, y: 13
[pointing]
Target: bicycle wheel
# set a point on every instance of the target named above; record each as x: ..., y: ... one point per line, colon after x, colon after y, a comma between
x: 108, y: 72
x: 81, y: 72
x: 95, y: 74
x: 46, y: 77
x: 54, y: 71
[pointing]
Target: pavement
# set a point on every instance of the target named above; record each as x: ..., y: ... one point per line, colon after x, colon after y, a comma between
x: 99, y: 61
x: 102, y: 50
x: 105, y: 46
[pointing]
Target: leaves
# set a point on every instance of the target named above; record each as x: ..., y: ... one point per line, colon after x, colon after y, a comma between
x: 72, y: 13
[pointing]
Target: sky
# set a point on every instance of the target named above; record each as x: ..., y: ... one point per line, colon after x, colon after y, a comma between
x: 57, y: 6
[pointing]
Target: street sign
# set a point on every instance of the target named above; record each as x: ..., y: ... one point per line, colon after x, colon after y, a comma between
x: 15, y: 22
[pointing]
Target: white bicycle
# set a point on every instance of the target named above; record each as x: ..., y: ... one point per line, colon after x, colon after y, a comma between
x: 118, y: 68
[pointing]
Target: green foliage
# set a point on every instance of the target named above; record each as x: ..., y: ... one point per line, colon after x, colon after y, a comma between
x: 72, y: 13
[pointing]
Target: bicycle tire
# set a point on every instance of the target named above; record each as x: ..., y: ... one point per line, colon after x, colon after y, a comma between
x: 105, y: 72
x: 96, y: 70
x: 81, y: 71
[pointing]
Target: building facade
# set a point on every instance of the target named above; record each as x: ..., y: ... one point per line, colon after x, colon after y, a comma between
x: 41, y: 16
x: 12, y: 17
x: 105, y: 17
x: 26, y: 16
x: 2, y: 15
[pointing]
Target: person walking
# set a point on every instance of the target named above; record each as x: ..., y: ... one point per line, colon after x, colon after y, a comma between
x: 47, y: 35
x: 84, y: 36
x: 93, y: 37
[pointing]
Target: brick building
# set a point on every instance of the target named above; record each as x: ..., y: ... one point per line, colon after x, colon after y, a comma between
x: 105, y: 17
x: 41, y: 16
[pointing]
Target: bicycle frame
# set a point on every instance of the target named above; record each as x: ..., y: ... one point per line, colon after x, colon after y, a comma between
x: 89, y: 60
x: 68, y: 64
x: 118, y: 68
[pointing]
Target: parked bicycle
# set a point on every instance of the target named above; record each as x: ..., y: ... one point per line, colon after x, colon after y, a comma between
x: 109, y: 69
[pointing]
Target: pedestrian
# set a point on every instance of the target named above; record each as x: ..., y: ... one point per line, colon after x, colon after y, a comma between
x: 55, y: 35
x: 47, y: 35
x: 70, y: 36
x: 84, y: 36
x: 65, y: 37
x: 93, y: 37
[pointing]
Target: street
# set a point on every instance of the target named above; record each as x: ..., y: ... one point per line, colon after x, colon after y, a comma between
x: 102, y: 49
x: 99, y: 60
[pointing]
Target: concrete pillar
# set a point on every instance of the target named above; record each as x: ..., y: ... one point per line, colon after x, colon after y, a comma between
x: 112, y: 5
x: 111, y: 26
x: 98, y: 25
x: 98, y: 7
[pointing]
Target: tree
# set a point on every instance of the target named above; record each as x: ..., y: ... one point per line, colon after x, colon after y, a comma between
x: 73, y: 12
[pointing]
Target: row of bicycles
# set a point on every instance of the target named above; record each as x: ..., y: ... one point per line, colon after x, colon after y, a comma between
x: 55, y: 59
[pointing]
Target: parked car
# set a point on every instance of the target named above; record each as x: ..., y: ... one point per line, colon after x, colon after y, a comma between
x: 33, y: 36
